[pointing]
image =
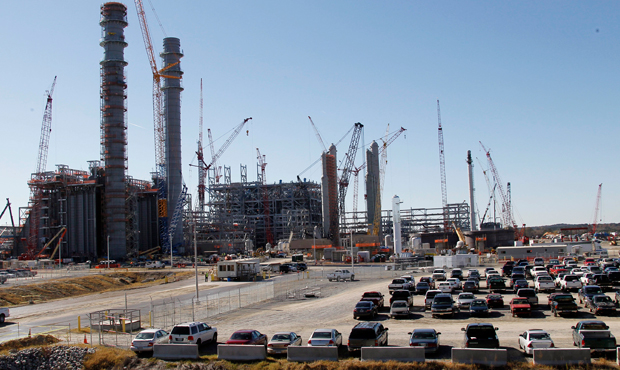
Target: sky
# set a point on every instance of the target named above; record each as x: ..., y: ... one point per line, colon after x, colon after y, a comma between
x: 535, y: 81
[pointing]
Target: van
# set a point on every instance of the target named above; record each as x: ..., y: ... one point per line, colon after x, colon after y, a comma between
x: 367, y: 334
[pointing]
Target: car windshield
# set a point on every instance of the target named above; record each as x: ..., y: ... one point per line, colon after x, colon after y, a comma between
x: 540, y: 336
x: 564, y: 298
x: 362, y: 334
x: 602, y: 298
x: 372, y: 295
x: 481, y: 332
x: 180, y: 330
x: 145, y: 336
x: 593, y: 290
x: 423, y: 335
x: 526, y: 293
x: 398, y: 281
x: 322, y: 335
x: 399, y: 304
x: 545, y: 278
x: 570, y: 278
x: 241, y: 336
x: 466, y: 296
x: 520, y: 301
x: 478, y: 304
x: 281, y: 337
x: 442, y: 300
x: 363, y: 305
x: 422, y: 285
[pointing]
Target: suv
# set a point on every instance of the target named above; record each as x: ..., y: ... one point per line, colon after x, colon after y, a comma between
x: 402, y: 295
x: 530, y: 294
x: 443, y: 304
x: 367, y: 334
x: 428, y: 298
x: 193, y: 333
x: 480, y: 336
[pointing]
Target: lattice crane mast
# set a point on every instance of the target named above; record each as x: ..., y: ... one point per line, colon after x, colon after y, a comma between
x: 596, y: 209
x: 318, y: 135
x: 265, y: 193
x: 349, y: 159
x: 442, y: 162
x: 386, y: 142
x: 262, y: 164
x: 507, y: 217
x: 35, y: 183
x: 200, y: 155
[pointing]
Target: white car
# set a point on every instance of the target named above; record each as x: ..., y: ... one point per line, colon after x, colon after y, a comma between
x: 325, y: 338
x: 538, y: 270
x: 439, y: 275
x: 146, y: 339
x: 445, y: 287
x: 534, y: 339
x: 280, y: 342
x: 399, y: 309
x: 464, y: 300
x: 579, y: 271
x: 456, y: 283
x: 193, y: 333
x: 587, y: 279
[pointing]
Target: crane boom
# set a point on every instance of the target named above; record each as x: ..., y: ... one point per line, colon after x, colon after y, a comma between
x: 200, y: 155
x: 318, y: 135
x: 216, y: 169
x: 225, y: 146
x: 442, y: 161
x: 46, y: 128
x: 349, y: 159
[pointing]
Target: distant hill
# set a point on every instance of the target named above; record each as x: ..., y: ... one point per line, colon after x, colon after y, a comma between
x: 555, y: 229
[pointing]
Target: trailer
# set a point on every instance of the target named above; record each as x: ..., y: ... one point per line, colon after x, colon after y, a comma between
x: 241, y: 269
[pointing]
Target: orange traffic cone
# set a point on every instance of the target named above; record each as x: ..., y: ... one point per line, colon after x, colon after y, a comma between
x: 29, y: 333
x: 85, y: 341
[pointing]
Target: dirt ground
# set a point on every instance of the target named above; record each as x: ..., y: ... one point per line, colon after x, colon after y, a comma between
x: 335, y: 310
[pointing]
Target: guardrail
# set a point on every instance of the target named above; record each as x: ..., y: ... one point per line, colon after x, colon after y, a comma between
x: 401, y: 354
x: 310, y: 354
x: 479, y: 356
x: 235, y: 352
x: 561, y: 356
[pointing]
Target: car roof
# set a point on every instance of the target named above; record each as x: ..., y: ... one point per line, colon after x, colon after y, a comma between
x: 479, y: 325
x: 283, y: 332
x: 150, y: 330
x: 372, y: 292
x: 366, y: 325
x: 424, y: 330
x: 324, y: 330
x: 245, y: 331
x: 189, y: 323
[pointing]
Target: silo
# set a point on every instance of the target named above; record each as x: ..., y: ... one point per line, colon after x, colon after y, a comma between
x: 113, y: 124
x: 171, y: 57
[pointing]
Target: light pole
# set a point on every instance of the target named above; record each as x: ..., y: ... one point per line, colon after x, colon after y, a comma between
x: 170, y: 243
x: 314, y: 244
x: 108, y: 251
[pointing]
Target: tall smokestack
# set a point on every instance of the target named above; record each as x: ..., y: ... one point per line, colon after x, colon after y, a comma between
x: 113, y: 124
x: 372, y: 183
x: 329, y: 195
x: 172, y: 117
x: 472, y: 213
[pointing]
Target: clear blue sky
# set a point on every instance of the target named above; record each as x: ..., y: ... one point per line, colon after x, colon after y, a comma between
x: 535, y: 81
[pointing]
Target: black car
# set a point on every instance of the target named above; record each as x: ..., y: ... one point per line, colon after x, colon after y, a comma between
x: 367, y: 334
x: 495, y: 301
x: 519, y: 284
x: 587, y: 291
x: 507, y: 268
x: 442, y: 305
x: 470, y: 286
x: 402, y: 295
x: 496, y: 284
x: 457, y: 273
x: 422, y: 287
x: 365, y: 309
x: 602, y: 280
x: 478, y: 307
x: 601, y: 304
x: 614, y: 276
x: 480, y: 336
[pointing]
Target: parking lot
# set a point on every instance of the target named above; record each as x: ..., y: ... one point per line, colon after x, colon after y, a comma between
x: 335, y: 310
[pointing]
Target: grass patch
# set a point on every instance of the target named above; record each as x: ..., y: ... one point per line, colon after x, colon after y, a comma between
x: 107, y: 358
x: 35, y: 341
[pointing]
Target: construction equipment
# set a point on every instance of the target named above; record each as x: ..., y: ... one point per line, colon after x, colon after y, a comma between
x: 318, y: 135
x: 8, y: 206
x: 442, y: 171
x: 386, y: 142
x: 507, y: 216
x: 596, y: 209
x: 35, y: 189
x: 200, y: 154
x: 226, y: 144
x: 348, y: 161
x: 176, y: 216
x: 61, y: 233
x: 217, y: 170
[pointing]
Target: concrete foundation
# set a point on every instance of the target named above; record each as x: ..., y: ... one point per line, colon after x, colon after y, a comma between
x: 176, y: 351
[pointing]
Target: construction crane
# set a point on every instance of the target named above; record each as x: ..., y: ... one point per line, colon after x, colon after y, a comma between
x: 35, y: 183
x: 8, y: 206
x: 200, y: 154
x: 226, y: 144
x: 61, y: 233
x: 347, y: 168
x: 158, y: 122
x: 216, y: 169
x: 386, y: 142
x: 596, y: 209
x: 442, y: 172
x: 507, y: 217
x: 265, y: 193
x: 318, y: 136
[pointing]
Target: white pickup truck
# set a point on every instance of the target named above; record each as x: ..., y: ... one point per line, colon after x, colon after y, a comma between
x: 570, y: 282
x: 339, y: 275
x: 4, y: 313
x: 544, y: 283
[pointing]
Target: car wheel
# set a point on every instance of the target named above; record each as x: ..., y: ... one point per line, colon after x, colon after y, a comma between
x: 352, y: 277
x: 198, y: 342
x: 2, y: 318
x: 338, y: 279
x: 214, y: 340
x: 330, y: 279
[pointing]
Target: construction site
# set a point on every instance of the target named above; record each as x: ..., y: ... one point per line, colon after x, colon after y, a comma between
x: 106, y: 214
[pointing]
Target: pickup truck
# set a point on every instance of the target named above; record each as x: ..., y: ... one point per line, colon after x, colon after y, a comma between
x: 496, y: 285
x: 570, y: 282
x: 399, y: 284
x: 563, y: 304
x: 341, y: 275
x: 374, y: 297
x: 544, y: 283
x: 587, y: 291
x: 595, y: 335
x: 4, y: 313
x: 520, y: 307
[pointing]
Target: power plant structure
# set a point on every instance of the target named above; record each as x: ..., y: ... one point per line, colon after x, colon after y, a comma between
x: 104, y: 213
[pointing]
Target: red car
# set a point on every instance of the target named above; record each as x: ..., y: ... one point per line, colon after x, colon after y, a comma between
x: 248, y: 336
x: 374, y: 297
x: 495, y: 301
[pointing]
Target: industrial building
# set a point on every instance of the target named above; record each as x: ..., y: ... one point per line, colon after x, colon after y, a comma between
x: 105, y: 212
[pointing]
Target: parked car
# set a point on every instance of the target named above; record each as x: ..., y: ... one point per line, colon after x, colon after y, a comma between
x: 429, y: 280
x: 430, y: 295
x: 570, y: 282
x: 603, y: 281
x: 399, y: 309
x: 473, y: 273
x: 562, y: 304
x: 496, y: 284
x: 439, y: 275
x: 470, y: 286
x: 530, y: 294
x: 495, y: 300
x: 538, y: 261
x: 427, y: 338
x: 402, y: 295
x: 464, y: 300
x: 507, y: 268
x: 588, y: 291
x: 445, y: 287
x: 520, y: 307
x: 544, y: 283
x: 478, y: 307
x: 325, y: 338
x: 193, y: 333
x: 399, y: 284
x: 456, y: 283
x: 519, y: 284
x: 365, y: 309
x: 249, y: 337
x: 375, y: 297
x: 595, y: 335
x: 457, y: 273
x: 341, y: 275
x: 367, y: 334
x: 280, y: 342
x: 534, y: 339
x: 443, y: 305
x: 480, y: 336
x: 154, y: 265
x: 601, y: 304
x: 514, y: 278
x: 146, y: 339
x: 422, y: 287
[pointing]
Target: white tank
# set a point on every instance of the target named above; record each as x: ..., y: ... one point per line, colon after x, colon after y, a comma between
x: 398, y: 243
x: 415, y: 242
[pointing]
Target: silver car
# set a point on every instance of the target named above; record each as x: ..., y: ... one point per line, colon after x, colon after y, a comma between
x: 399, y: 309
x: 427, y: 338
x: 280, y: 342
x: 146, y: 339
x: 325, y: 338
x: 464, y: 300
